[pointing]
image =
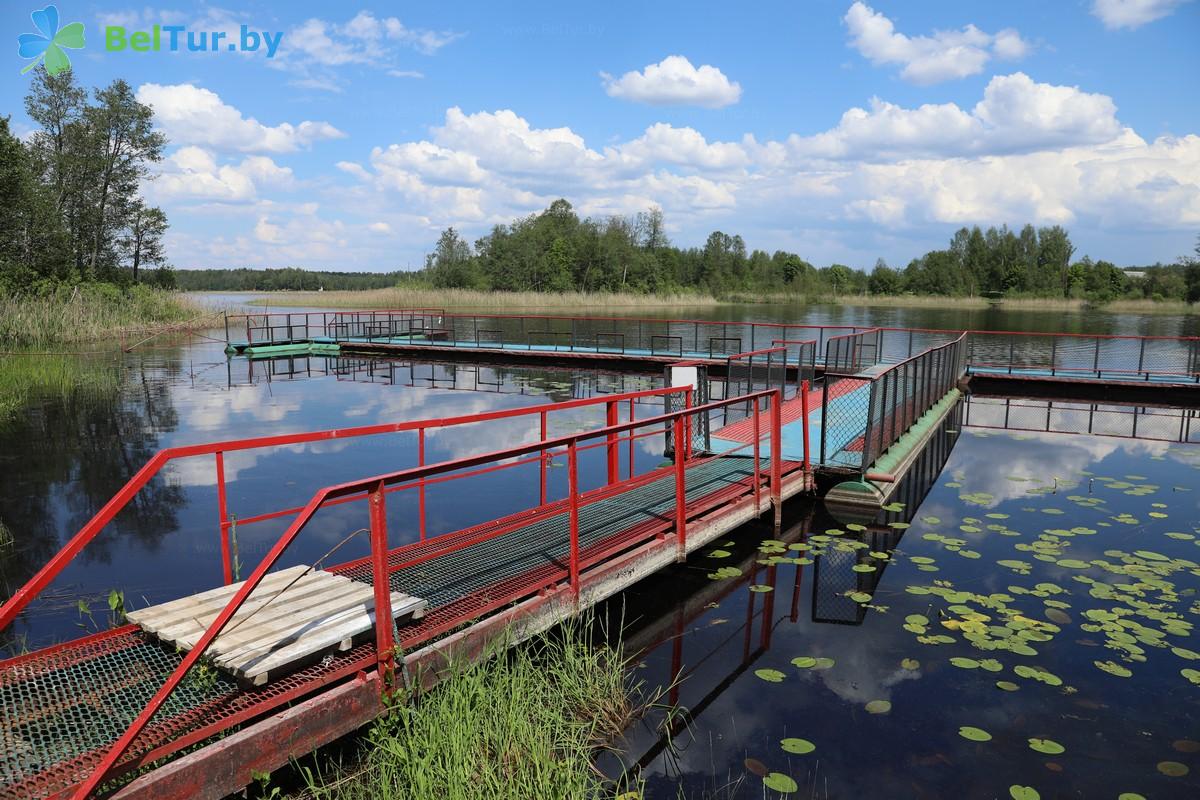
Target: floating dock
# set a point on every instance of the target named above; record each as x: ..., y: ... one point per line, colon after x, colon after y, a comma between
x: 199, y: 693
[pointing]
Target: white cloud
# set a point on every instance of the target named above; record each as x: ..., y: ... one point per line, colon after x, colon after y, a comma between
x: 312, y: 50
x: 1132, y: 13
x: 942, y: 56
x: 189, y: 114
x: 1015, y: 115
x: 885, y: 180
x: 192, y: 173
x: 674, y: 81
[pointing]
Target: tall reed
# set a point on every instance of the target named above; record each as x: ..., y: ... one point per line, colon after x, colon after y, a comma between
x: 89, y: 313
x: 517, y: 725
x: 408, y: 297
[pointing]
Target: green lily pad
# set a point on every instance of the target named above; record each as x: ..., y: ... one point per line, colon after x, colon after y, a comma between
x: 781, y: 783
x: 720, y: 554
x: 803, y: 662
x: 879, y: 707
x: 762, y: 587
x: 797, y: 746
x: 1113, y: 668
x: 770, y: 675
x: 1173, y: 769
x: 964, y: 663
x: 1047, y: 746
x: 910, y: 664
x: 1007, y: 686
x: 974, y: 734
x: 823, y: 663
x: 860, y: 597
x: 1018, y: 792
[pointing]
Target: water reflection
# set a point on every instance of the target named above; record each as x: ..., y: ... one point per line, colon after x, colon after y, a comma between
x: 1079, y: 553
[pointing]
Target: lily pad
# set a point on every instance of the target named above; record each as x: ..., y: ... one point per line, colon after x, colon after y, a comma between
x: 964, y: 663
x: 910, y: 664
x: 781, y: 783
x: 879, y: 707
x: 770, y: 675
x: 974, y: 734
x: 803, y: 662
x: 1007, y: 686
x: 797, y: 746
x: 1047, y: 746
x: 1173, y: 769
x: 1018, y: 792
x: 762, y: 587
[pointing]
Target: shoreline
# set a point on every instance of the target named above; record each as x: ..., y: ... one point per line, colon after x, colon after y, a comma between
x: 472, y: 299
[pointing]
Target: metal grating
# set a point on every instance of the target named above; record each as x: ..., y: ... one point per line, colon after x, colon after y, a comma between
x: 60, y: 708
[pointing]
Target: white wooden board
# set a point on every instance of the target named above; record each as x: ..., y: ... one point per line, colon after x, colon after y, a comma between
x: 277, y: 630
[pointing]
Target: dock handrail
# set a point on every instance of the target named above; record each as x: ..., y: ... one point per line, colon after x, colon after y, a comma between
x: 40, y: 580
x: 897, y: 397
x: 373, y: 488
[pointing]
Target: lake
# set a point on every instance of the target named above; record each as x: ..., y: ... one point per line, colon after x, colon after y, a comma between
x: 1025, y: 619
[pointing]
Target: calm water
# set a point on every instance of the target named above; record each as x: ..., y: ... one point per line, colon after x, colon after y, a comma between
x: 1050, y: 553
x: 1046, y: 590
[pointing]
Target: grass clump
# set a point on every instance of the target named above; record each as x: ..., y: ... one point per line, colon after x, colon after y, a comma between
x: 416, y: 297
x: 521, y: 724
x: 89, y: 312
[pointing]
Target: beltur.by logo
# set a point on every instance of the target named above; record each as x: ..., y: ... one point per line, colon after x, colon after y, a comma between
x: 176, y: 37
x: 47, y: 47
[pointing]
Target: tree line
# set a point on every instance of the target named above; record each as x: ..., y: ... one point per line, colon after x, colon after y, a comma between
x: 289, y: 279
x: 557, y: 251
x: 70, y: 207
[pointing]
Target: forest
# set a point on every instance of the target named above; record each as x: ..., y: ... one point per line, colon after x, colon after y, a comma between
x: 285, y: 279
x: 557, y: 251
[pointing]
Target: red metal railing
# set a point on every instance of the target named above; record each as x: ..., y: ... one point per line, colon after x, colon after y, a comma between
x: 373, y: 488
x: 23, y: 596
x: 859, y: 426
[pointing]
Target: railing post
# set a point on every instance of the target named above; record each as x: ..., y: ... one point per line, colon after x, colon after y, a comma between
x: 542, y: 460
x: 573, y: 499
x: 384, y: 646
x: 614, y: 463
x: 632, y: 438
x: 421, y: 485
x: 777, y: 459
x: 804, y: 417
x: 757, y: 480
x: 223, y: 514
x: 680, y: 493
x: 687, y: 423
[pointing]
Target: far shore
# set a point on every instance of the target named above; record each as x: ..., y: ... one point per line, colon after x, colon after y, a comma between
x: 473, y: 299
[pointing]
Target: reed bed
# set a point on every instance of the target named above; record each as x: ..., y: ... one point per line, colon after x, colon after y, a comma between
x: 403, y: 297
x: 521, y: 724
x: 25, y: 377
x: 90, y: 313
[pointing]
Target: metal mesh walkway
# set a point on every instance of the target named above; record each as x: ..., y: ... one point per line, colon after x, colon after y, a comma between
x: 61, y: 707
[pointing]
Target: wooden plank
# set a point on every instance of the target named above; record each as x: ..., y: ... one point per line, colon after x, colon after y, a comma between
x: 291, y: 618
x: 319, y: 594
x: 222, y: 593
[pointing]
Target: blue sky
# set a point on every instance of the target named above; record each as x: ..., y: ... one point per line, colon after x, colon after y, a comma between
x: 844, y: 131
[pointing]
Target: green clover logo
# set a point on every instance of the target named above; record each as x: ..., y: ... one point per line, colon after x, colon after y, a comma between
x: 48, y: 45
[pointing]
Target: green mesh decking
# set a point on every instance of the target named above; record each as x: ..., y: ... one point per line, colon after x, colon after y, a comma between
x: 61, y: 707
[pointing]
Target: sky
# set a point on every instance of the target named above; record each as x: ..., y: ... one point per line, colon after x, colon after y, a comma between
x: 842, y: 131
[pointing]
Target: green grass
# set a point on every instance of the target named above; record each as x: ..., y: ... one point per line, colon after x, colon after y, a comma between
x: 26, y: 377
x: 90, y: 312
x: 408, y: 297
x: 518, y: 725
